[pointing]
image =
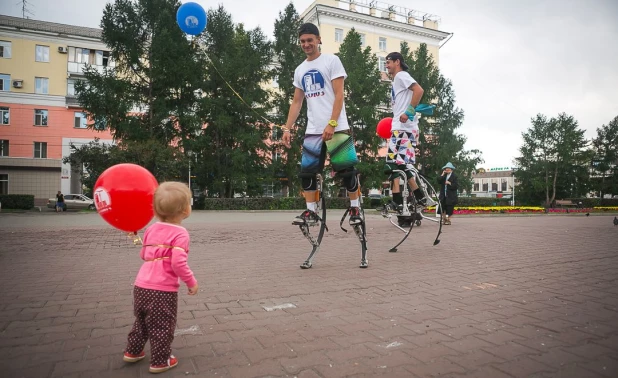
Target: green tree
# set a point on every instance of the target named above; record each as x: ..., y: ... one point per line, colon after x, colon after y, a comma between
x: 152, y: 91
x: 147, y: 93
x: 605, y: 160
x: 288, y: 55
x: 165, y: 163
x: 365, y: 96
x: 231, y: 153
x: 552, y: 148
x: 439, y: 141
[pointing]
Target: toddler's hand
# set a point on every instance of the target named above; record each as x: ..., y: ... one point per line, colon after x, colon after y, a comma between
x: 193, y: 290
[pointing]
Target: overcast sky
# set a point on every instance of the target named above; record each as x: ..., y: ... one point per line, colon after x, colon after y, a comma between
x: 508, y: 59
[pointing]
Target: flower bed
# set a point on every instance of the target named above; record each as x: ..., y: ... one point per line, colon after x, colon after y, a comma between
x: 523, y: 209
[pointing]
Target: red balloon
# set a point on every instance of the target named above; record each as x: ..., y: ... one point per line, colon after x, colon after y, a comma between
x: 123, y: 196
x: 384, y: 127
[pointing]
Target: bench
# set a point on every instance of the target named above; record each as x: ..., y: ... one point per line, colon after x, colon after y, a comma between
x: 565, y: 203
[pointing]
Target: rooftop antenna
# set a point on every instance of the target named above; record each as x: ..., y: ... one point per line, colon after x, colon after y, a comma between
x: 24, y: 9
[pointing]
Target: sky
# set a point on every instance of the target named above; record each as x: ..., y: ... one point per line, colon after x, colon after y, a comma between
x: 508, y: 59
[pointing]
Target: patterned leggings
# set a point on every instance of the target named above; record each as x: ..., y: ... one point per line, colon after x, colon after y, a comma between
x: 155, y: 319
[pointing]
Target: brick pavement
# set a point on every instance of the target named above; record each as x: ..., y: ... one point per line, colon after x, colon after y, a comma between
x: 499, y: 297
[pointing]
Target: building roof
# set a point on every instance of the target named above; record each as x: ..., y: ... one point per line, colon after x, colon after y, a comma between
x: 9, y: 22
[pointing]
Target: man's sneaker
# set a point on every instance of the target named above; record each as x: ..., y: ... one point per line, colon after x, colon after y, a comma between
x: 171, y: 362
x: 393, y: 207
x: 128, y: 357
x: 356, y: 217
x: 307, y: 217
x: 421, y: 205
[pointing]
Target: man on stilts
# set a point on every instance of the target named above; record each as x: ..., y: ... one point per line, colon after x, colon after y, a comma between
x: 320, y: 80
x: 406, y: 94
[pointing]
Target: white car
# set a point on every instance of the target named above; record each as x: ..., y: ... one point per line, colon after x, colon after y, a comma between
x: 73, y: 202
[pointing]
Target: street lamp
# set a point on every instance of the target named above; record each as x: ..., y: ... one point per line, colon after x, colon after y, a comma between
x: 190, y: 154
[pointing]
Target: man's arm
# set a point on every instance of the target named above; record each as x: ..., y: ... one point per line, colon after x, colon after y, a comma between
x: 297, y: 104
x: 417, y: 94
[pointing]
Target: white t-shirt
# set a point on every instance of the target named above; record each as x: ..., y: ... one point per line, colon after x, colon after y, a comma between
x: 401, y: 97
x: 314, y: 78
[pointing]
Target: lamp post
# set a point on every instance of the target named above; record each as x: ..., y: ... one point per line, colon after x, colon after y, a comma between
x: 190, y: 155
x: 513, y: 176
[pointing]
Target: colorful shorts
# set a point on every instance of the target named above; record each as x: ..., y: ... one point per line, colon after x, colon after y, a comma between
x: 340, y: 150
x: 401, y: 148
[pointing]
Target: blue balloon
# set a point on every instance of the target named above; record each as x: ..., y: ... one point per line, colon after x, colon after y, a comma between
x: 191, y: 18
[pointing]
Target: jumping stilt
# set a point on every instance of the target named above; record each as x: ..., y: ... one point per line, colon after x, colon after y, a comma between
x: 305, y: 228
x: 411, y: 211
x: 360, y: 230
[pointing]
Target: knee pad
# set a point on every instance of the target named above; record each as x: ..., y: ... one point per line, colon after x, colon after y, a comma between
x: 308, y: 181
x: 350, y: 179
x: 401, y: 167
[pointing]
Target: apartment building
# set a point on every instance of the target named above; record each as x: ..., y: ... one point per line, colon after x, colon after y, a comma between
x: 40, y: 119
x: 381, y: 26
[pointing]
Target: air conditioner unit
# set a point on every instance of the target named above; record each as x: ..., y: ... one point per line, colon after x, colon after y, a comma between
x: 18, y: 83
x: 63, y: 50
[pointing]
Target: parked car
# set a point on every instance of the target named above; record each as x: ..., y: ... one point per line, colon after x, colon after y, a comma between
x: 73, y: 202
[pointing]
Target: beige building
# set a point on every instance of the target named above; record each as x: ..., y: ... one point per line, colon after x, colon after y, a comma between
x: 493, y: 182
x: 382, y: 26
x: 40, y: 119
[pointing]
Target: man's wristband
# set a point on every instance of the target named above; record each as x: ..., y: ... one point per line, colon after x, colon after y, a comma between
x: 410, y: 111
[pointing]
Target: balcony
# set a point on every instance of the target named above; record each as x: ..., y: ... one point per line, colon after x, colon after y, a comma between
x: 75, y: 69
x: 71, y: 102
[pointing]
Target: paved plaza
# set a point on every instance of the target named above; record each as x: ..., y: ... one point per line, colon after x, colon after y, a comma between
x: 500, y: 296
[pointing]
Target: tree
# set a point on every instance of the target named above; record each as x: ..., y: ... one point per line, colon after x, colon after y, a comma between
x: 231, y: 151
x: 552, y: 148
x: 439, y: 141
x: 151, y: 92
x: 165, y: 163
x: 288, y: 55
x: 147, y: 93
x: 365, y: 97
x: 605, y: 161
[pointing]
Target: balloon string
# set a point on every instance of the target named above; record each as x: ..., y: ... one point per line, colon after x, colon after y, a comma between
x: 237, y: 94
x: 136, y: 238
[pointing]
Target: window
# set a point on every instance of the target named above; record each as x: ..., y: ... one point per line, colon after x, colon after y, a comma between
x: 4, y: 148
x: 339, y: 35
x: 503, y: 185
x: 494, y: 186
x: 80, y: 120
x: 476, y: 186
x: 276, y: 156
x: 382, y: 44
x: 4, y: 184
x: 41, y: 85
x: 382, y: 63
x: 362, y: 40
x: 5, y: 82
x: 276, y: 81
x: 71, y: 87
x: 5, y: 49
x: 5, y: 116
x: 276, y: 134
x: 98, y: 58
x: 40, y: 150
x: 40, y: 117
x: 486, y: 187
x: 41, y: 53
x: 100, y: 124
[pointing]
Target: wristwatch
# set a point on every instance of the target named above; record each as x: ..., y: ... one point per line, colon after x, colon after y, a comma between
x: 332, y: 123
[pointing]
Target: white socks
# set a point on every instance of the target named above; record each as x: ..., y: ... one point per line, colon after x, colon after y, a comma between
x: 312, y: 206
